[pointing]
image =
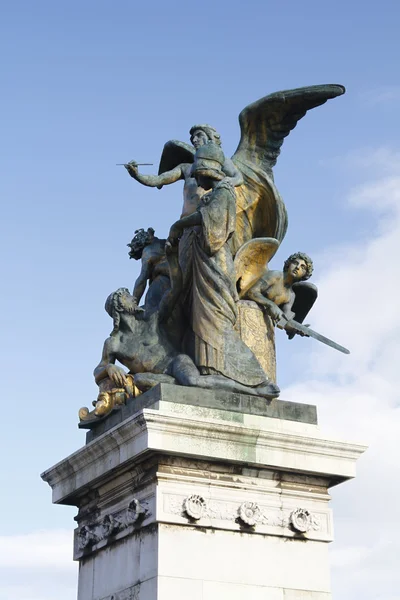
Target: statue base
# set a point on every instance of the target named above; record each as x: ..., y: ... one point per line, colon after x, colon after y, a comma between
x: 204, y: 495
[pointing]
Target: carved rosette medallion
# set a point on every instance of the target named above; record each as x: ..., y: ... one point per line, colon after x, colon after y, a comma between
x: 86, y: 537
x: 133, y: 512
x: 301, y: 520
x: 195, y: 506
x: 109, y: 526
x: 249, y: 513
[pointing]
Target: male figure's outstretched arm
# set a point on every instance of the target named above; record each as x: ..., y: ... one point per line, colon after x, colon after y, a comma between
x: 179, y: 172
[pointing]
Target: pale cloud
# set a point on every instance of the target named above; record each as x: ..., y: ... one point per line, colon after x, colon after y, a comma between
x: 38, y: 566
x: 381, y: 160
x: 358, y: 395
x: 37, y: 549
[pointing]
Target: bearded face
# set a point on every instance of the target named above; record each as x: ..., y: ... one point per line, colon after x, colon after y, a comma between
x: 119, y: 302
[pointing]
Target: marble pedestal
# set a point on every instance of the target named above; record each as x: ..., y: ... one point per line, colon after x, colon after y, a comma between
x: 192, y: 494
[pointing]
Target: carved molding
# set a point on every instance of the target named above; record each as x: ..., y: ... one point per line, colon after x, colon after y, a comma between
x: 87, y: 537
x: 110, y: 525
x: 134, y: 512
x: 248, y: 513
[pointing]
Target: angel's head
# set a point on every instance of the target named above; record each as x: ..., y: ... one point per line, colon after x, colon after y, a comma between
x: 141, y: 239
x: 299, y: 266
x: 201, y: 134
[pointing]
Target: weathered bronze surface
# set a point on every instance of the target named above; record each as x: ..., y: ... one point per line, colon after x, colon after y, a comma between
x: 211, y: 303
x: 263, y: 126
x: 256, y: 330
x: 149, y: 350
x: 155, y: 269
x: 282, y: 293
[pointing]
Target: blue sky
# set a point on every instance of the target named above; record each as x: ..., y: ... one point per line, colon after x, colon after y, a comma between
x: 88, y: 84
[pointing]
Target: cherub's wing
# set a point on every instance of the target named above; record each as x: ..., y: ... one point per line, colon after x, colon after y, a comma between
x: 264, y: 125
x: 175, y: 153
x: 306, y: 295
x: 251, y: 262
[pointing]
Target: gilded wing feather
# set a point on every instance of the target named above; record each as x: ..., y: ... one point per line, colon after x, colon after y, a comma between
x: 264, y: 126
x: 251, y: 262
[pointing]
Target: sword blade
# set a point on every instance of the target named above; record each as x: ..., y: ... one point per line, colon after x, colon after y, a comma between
x: 311, y: 333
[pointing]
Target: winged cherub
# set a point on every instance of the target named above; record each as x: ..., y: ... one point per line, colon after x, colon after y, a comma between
x: 286, y: 294
x: 263, y: 128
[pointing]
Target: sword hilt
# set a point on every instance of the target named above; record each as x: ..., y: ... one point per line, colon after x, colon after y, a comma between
x: 282, y: 323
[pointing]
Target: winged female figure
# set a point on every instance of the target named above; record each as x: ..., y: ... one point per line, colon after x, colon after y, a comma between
x: 264, y: 125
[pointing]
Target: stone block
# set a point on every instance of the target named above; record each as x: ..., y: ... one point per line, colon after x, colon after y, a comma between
x: 215, y: 497
x: 226, y: 405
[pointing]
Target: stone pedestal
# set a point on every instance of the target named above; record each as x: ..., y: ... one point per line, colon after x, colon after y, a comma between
x: 192, y: 494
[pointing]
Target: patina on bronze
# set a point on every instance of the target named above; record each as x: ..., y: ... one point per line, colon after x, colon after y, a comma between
x: 264, y: 125
x: 285, y: 295
x: 155, y: 269
x: 213, y: 269
x: 176, y: 164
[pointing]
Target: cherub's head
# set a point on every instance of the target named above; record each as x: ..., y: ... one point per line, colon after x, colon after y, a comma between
x: 201, y: 134
x: 118, y: 302
x: 140, y: 240
x: 299, y: 266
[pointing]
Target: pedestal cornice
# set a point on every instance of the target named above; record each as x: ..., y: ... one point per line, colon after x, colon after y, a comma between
x: 271, y: 444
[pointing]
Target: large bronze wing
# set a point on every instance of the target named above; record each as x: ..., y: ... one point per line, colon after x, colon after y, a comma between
x: 264, y: 126
x: 265, y: 123
x: 175, y: 153
x: 252, y: 260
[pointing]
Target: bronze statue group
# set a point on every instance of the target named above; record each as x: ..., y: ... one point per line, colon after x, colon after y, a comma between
x: 216, y: 255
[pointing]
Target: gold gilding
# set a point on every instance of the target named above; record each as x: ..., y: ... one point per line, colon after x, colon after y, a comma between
x: 109, y: 398
x: 257, y: 332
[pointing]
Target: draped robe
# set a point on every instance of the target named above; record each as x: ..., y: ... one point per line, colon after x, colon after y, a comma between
x: 208, y: 269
